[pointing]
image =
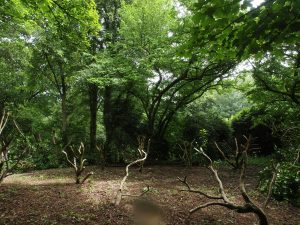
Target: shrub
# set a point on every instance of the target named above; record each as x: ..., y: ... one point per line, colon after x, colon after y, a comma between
x: 287, y: 154
x: 25, y: 165
x: 287, y: 183
x: 247, y: 122
x: 199, y: 127
x: 205, y: 130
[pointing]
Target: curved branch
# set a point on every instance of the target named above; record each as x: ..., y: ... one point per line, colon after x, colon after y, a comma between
x: 216, y: 175
x: 3, y: 121
x: 189, y: 189
x: 119, y: 194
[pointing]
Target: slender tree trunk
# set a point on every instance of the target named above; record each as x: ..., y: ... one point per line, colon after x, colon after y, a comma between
x: 107, y: 119
x: 64, y: 111
x: 1, y: 107
x: 93, y: 97
x: 150, y: 131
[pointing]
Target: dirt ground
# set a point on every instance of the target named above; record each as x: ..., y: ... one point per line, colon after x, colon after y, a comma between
x: 51, y: 197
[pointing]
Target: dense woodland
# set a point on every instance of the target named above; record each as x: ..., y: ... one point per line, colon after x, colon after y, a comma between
x: 130, y: 96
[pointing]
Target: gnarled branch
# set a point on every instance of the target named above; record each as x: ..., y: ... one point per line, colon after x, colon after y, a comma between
x: 78, y: 163
x: 144, y: 155
x: 248, y: 207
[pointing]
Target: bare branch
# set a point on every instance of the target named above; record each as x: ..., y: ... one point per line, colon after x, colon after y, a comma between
x: 236, y: 161
x: 100, y: 149
x: 187, y: 152
x: 78, y: 163
x: 3, y: 121
x: 144, y: 157
x: 270, y: 187
x: 141, y: 142
x: 6, y: 169
x: 69, y: 161
x: 87, y: 177
x: 206, y: 205
x: 189, y: 189
x: 297, y: 157
x: 214, y: 171
x: 247, y: 207
x: 225, y: 157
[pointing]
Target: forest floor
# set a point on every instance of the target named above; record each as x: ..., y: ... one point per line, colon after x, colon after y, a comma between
x: 51, y: 197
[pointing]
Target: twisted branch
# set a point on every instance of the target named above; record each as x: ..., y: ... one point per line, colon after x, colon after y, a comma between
x: 189, y: 189
x: 144, y: 155
x: 3, y: 121
x: 236, y: 161
x: 270, y: 187
x: 78, y: 163
x: 5, y: 172
x: 248, y: 207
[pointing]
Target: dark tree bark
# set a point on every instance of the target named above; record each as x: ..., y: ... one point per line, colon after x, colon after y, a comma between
x: 65, y: 138
x: 108, y: 9
x: 107, y: 117
x: 60, y: 83
x: 93, y: 102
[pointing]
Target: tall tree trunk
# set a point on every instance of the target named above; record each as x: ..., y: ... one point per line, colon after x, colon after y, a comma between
x: 64, y: 130
x: 107, y: 119
x: 93, y: 97
x: 150, y: 127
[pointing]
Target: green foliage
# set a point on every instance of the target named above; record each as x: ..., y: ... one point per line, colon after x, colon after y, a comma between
x: 260, y: 161
x: 287, y: 183
x: 277, y: 77
x: 224, y: 102
x: 202, y: 126
x: 125, y: 127
x: 145, y: 25
x: 242, y: 29
x: 245, y: 122
x: 46, y: 156
x: 286, y: 154
x: 154, y: 64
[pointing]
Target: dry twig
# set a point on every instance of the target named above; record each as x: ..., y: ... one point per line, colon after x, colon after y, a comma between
x: 78, y: 163
x: 235, y: 161
x: 248, y: 207
x: 144, y: 155
x: 187, y: 151
x: 6, y: 168
x: 271, y: 183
